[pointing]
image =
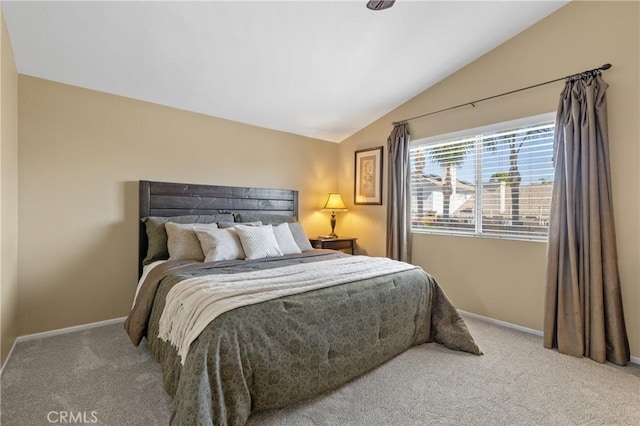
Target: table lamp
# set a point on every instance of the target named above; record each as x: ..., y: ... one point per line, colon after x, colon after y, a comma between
x: 334, y: 204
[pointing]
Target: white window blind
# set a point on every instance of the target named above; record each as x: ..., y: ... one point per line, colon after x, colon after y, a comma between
x: 495, y: 182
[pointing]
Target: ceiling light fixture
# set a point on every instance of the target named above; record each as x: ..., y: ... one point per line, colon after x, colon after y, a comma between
x: 380, y: 5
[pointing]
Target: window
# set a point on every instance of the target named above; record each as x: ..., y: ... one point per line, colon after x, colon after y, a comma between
x: 494, y: 181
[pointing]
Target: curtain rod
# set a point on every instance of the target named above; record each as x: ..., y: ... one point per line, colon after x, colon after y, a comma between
x: 472, y: 103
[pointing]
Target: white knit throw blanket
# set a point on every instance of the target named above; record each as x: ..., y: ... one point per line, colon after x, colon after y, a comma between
x: 193, y: 303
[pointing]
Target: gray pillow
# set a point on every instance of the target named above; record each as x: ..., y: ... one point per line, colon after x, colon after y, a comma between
x: 265, y: 218
x: 183, y: 242
x: 299, y: 236
x: 157, y: 234
x: 225, y: 225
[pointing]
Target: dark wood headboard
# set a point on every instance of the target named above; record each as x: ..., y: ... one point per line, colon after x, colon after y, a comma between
x: 174, y: 199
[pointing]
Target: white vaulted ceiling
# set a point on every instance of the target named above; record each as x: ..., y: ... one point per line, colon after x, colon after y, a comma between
x: 323, y: 69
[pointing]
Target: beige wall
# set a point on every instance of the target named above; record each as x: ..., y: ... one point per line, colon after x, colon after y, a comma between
x: 506, y: 279
x: 8, y: 192
x: 81, y: 154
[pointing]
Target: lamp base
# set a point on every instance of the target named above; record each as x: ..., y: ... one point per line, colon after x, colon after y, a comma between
x: 333, y: 225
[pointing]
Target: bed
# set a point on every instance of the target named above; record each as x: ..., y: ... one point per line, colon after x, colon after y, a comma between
x: 241, y: 334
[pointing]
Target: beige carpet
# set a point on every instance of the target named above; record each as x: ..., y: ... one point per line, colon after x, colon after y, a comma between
x: 516, y: 382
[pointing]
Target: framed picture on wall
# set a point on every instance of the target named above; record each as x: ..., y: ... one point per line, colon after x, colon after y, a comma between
x: 368, y: 176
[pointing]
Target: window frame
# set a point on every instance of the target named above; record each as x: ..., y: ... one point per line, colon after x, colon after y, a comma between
x: 474, y: 133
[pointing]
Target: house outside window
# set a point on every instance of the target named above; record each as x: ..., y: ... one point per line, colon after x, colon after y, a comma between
x: 494, y: 181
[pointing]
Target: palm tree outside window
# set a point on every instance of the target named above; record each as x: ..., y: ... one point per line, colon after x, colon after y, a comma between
x: 495, y: 181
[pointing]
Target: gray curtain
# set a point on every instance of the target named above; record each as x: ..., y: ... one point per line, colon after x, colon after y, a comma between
x: 399, y: 195
x: 583, y: 305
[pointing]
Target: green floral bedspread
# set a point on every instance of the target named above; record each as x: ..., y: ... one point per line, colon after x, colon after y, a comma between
x: 273, y: 353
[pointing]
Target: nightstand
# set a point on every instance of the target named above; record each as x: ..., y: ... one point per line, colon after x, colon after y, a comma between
x: 343, y: 244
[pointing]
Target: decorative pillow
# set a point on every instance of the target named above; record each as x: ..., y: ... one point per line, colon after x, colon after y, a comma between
x: 220, y: 244
x: 285, y: 240
x: 299, y: 236
x: 182, y: 242
x: 258, y: 241
x: 265, y: 218
x: 157, y: 234
x: 224, y: 225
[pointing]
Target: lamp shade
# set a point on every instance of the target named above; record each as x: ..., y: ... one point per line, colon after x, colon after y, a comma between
x: 335, y: 203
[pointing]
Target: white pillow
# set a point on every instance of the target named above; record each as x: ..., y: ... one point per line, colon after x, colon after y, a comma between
x: 258, y: 241
x: 285, y: 239
x: 220, y: 244
x: 182, y: 242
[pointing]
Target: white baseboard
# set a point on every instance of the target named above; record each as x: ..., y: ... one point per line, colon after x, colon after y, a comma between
x: 66, y: 330
x: 8, y: 356
x: 634, y: 360
x: 57, y: 332
x: 502, y: 323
